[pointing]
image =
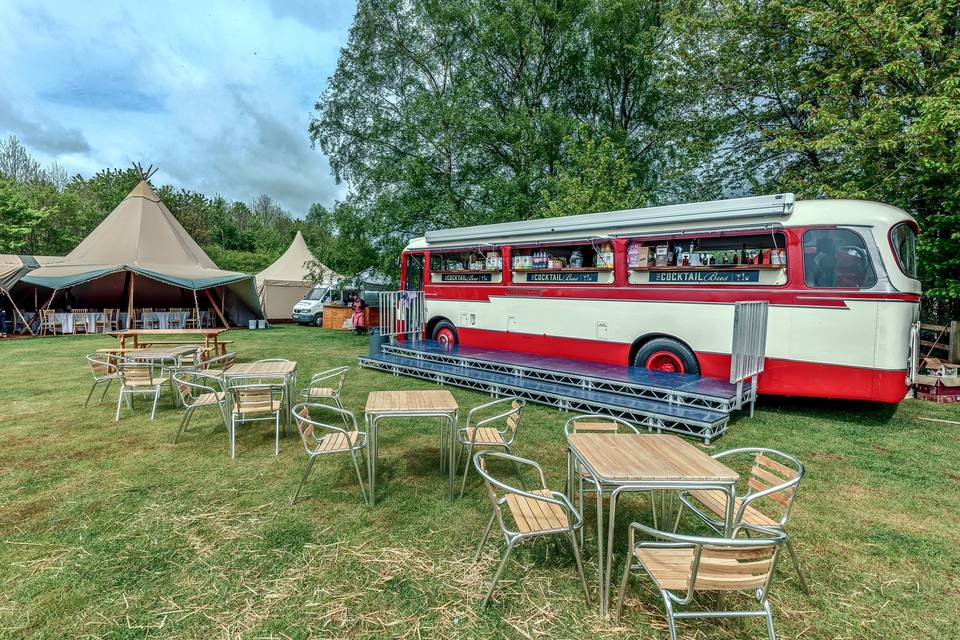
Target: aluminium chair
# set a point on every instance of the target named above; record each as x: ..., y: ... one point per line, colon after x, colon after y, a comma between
x: 199, y: 390
x: 681, y: 567
x: 316, y: 391
x: 321, y: 438
x: 104, y: 371
x: 579, y: 477
x: 525, y: 515
x: 481, y: 433
x: 140, y: 377
x: 771, y: 489
x: 254, y: 403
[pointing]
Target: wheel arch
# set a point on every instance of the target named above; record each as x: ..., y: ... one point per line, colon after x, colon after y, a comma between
x: 644, y: 339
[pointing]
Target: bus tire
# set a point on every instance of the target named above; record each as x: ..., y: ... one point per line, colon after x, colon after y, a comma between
x: 666, y: 354
x: 446, y: 334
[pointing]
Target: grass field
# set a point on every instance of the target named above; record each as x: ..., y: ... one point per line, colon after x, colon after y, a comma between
x: 109, y: 531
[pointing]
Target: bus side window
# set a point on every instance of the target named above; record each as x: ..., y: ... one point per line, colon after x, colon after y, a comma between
x: 414, y: 272
x: 836, y: 258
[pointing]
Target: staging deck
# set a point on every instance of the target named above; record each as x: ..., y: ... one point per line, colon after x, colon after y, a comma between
x: 689, y: 404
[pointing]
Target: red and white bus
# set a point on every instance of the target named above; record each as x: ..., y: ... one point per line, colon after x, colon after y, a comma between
x: 656, y: 288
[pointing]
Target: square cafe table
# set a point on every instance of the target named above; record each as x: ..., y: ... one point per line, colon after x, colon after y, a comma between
x: 617, y: 462
x: 278, y: 370
x: 411, y: 404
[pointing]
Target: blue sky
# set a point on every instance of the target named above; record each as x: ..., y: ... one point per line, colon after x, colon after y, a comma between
x: 217, y: 94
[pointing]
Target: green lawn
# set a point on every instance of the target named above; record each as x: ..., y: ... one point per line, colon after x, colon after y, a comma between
x: 107, y: 530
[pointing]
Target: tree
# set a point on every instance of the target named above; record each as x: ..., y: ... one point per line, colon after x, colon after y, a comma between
x: 453, y: 113
x: 597, y: 177
x: 16, y: 163
x: 18, y: 219
x: 857, y: 99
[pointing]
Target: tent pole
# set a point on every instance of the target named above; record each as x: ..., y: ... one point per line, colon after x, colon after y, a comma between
x: 130, y: 301
x: 196, y: 308
x: 19, y: 315
x: 216, y: 308
x: 44, y: 308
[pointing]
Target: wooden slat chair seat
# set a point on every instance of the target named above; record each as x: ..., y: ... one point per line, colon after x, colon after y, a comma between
x: 199, y: 390
x: 322, y: 438
x: 319, y: 392
x: 537, y: 516
x: 254, y: 403
x: 487, y: 436
x: 535, y: 513
x: 479, y: 432
x: 771, y: 488
x: 682, y: 567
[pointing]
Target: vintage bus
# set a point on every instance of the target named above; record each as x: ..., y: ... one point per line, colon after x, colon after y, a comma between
x: 655, y: 288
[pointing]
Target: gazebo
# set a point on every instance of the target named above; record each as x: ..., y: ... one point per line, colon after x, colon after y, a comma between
x: 285, y: 282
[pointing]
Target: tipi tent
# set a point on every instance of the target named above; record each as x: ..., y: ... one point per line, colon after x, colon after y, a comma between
x: 285, y: 282
x: 142, y: 238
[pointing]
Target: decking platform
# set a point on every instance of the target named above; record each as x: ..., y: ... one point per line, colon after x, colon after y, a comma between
x: 691, y: 405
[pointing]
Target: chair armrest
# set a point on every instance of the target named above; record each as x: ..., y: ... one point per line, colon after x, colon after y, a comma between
x: 483, y: 407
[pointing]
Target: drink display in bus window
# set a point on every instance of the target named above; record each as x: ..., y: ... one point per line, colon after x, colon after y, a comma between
x: 466, y: 267
x: 714, y: 260
x: 590, y: 263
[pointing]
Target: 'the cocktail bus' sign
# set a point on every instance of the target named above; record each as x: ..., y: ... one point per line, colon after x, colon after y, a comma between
x: 466, y: 277
x: 704, y: 277
x: 560, y: 276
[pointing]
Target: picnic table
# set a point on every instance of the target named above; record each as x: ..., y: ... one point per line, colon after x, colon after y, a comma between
x: 619, y: 462
x: 411, y: 404
x: 210, y: 337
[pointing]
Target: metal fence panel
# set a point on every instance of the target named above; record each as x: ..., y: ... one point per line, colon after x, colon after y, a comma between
x: 748, y: 352
x: 402, y: 313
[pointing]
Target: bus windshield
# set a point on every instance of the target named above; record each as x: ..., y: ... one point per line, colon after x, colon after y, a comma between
x: 904, y: 241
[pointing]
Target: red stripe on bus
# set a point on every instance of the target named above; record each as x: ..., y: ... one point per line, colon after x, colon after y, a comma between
x: 780, y: 377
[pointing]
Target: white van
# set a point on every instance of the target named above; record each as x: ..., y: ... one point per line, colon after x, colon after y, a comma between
x: 310, y: 309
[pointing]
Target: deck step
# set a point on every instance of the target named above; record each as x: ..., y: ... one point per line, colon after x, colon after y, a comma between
x: 675, y: 388
x: 655, y: 414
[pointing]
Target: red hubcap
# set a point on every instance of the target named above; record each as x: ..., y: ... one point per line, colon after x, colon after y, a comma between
x: 665, y: 361
x: 445, y: 337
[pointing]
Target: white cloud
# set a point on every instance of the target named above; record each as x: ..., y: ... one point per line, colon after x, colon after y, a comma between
x: 218, y: 94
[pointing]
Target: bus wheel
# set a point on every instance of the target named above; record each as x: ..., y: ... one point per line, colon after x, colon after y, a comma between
x: 664, y: 354
x: 446, y: 334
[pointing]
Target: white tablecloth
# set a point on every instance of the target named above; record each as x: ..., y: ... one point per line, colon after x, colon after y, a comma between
x: 162, y: 319
x: 69, y: 320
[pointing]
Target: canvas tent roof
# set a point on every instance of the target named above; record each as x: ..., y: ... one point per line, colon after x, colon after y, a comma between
x: 291, y: 266
x: 287, y: 280
x: 142, y: 236
x: 14, y: 267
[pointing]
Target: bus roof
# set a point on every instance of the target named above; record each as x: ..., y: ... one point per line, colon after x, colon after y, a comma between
x: 779, y: 210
